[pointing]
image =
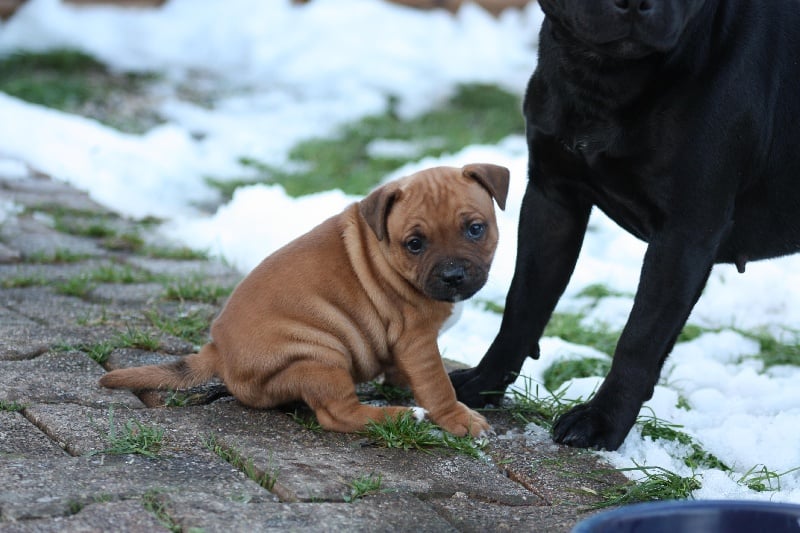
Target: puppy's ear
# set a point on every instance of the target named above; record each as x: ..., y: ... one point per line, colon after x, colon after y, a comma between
x: 376, y: 206
x: 494, y: 179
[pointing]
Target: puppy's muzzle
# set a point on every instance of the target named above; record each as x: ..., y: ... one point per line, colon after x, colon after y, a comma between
x: 455, y: 280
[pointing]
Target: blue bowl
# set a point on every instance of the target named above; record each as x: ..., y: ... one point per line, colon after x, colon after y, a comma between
x: 704, y: 516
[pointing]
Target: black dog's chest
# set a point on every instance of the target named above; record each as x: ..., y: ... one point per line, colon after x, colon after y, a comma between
x: 603, y: 163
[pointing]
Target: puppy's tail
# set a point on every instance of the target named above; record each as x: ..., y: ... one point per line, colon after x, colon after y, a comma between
x: 192, y: 370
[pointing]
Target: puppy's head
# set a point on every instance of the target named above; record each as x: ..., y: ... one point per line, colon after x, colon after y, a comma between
x: 623, y: 28
x: 437, y: 228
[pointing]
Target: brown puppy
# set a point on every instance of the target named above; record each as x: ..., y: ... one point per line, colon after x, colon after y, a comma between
x: 365, y: 292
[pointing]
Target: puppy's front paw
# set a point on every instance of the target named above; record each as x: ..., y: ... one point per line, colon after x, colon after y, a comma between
x: 461, y: 420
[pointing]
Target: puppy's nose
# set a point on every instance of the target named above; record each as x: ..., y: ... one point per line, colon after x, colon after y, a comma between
x: 454, y: 275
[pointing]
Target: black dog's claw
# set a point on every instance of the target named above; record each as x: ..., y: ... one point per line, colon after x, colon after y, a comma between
x: 585, y: 426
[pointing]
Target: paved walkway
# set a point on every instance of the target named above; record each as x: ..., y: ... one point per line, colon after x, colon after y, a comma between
x: 83, y: 290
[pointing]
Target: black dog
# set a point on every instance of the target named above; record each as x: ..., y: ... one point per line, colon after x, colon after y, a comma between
x: 680, y: 119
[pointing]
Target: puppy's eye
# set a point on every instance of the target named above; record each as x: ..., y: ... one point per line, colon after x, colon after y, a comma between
x: 476, y: 230
x: 415, y: 245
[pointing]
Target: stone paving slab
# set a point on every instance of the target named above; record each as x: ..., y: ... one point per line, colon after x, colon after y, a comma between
x: 34, y: 239
x: 45, y: 488
x: 59, y: 377
x: 387, y: 512
x: 318, y: 465
x: 19, y: 438
x: 38, y: 190
x: 56, y: 473
x: 128, y: 516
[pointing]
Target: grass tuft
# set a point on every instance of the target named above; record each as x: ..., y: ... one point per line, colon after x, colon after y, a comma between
x: 11, y: 406
x: 763, y: 479
x: 306, y: 419
x: 656, y: 484
x: 568, y: 327
x: 562, y: 371
x: 696, y: 457
x: 154, y: 504
x: 773, y: 351
x: 231, y: 455
x: 528, y: 406
x: 133, y: 438
x: 192, y: 327
x: 364, y: 486
x: 136, y: 338
x: 196, y: 289
x: 75, y: 82
x: 406, y: 433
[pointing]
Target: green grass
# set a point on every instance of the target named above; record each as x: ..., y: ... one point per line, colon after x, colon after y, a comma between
x: 598, y: 291
x: 79, y: 287
x: 57, y: 256
x: 528, y: 406
x: 79, y: 222
x: 475, y: 114
x: 265, y: 479
x: 130, y: 338
x: 406, y: 433
x: 568, y: 327
x: 23, y: 281
x: 762, y: 479
x: 192, y: 327
x: 74, y: 82
x: 11, y: 406
x: 136, y: 338
x: 99, y: 352
x: 124, y: 242
x: 492, y: 307
x: 695, y: 457
x: 124, y: 274
x: 690, y: 332
x: 392, y: 393
x: 196, y: 289
x: 306, y: 419
x: 154, y: 504
x: 54, y: 79
x: 133, y: 438
x: 364, y: 486
x: 656, y: 484
x: 773, y: 351
x: 181, y: 253
x: 562, y: 371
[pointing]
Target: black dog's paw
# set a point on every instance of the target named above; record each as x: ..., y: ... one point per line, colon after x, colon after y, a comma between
x: 587, y: 426
x: 474, y: 390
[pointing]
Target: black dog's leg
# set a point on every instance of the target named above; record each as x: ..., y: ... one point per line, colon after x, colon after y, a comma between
x: 676, y: 267
x: 551, y: 230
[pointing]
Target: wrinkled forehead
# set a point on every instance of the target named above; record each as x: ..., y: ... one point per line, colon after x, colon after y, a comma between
x: 444, y: 190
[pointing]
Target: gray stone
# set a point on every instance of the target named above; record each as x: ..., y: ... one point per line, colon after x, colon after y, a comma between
x: 218, y: 272
x: 129, y: 293
x: 318, y: 465
x: 64, y: 377
x: 9, y: 255
x: 56, y: 487
x: 41, y: 191
x: 389, y: 512
x: 130, y: 516
x: 19, y: 438
x: 475, y: 516
x: 34, y: 239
